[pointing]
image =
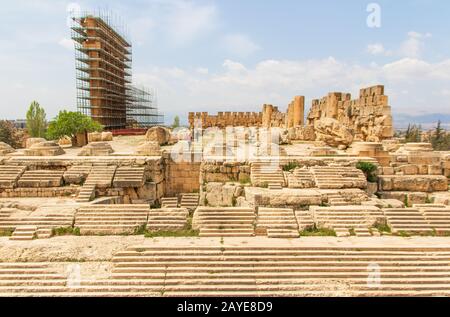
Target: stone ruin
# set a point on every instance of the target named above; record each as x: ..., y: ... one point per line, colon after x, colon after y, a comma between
x: 31, y: 141
x: 5, y: 148
x: 337, y: 118
x: 47, y: 148
x: 100, y: 137
x: 269, y: 117
x: 96, y: 149
x: 161, y: 135
x: 149, y: 148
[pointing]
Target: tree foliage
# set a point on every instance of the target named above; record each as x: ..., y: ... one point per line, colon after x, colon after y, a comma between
x: 369, y: 169
x: 69, y: 124
x: 176, y: 122
x: 413, y: 133
x: 36, y: 121
x: 8, y: 133
x: 440, y: 139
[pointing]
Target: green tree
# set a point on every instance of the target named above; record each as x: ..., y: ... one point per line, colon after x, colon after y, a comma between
x: 176, y: 122
x: 8, y: 133
x: 413, y: 133
x: 440, y: 138
x: 70, y: 124
x: 36, y: 122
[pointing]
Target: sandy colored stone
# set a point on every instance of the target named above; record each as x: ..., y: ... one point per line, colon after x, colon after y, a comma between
x: 158, y: 134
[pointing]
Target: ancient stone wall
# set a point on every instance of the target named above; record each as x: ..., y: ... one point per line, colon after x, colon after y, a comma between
x: 270, y: 116
x: 367, y: 118
x: 182, y: 177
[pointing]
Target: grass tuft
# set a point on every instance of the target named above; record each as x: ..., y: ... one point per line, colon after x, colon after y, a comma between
x: 317, y: 232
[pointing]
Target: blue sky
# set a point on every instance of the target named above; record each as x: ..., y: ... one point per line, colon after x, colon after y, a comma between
x: 237, y: 54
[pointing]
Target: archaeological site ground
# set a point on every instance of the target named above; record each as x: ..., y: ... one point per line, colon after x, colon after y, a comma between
x: 238, y: 204
x: 322, y: 196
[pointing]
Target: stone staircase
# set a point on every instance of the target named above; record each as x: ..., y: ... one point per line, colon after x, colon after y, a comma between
x: 265, y: 173
x: 304, y: 219
x: 338, y: 177
x: 437, y: 216
x: 167, y: 219
x: 283, y: 271
x: 300, y: 178
x: 409, y: 220
x: 111, y: 219
x: 30, y: 279
x: 77, y: 174
x: 10, y: 174
x: 44, y: 224
x: 337, y: 200
x: 24, y: 233
x: 250, y: 270
x: 277, y: 223
x: 224, y: 221
x: 345, y: 219
x: 169, y: 202
x: 129, y: 176
x: 275, y: 186
x: 41, y: 178
x: 189, y: 201
x: 100, y: 176
x: 86, y: 193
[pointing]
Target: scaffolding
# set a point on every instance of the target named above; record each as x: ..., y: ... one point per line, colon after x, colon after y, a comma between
x: 103, y: 75
x: 143, y: 109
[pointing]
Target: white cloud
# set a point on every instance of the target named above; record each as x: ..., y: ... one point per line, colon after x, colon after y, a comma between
x: 202, y: 70
x: 187, y: 21
x: 377, y: 49
x: 410, y: 84
x: 66, y: 43
x: 239, y: 45
x: 413, y: 45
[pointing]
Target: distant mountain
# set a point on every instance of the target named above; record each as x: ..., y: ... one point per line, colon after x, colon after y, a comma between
x: 427, y: 121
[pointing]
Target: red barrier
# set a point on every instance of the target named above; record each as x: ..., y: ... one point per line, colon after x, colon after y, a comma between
x: 129, y: 132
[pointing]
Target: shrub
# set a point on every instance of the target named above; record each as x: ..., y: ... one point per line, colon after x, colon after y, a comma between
x: 244, y: 180
x: 6, y: 233
x: 178, y: 233
x: 368, y: 169
x: 314, y: 231
x: 65, y: 231
x: 8, y: 134
x: 290, y: 166
x: 382, y: 226
x: 140, y: 230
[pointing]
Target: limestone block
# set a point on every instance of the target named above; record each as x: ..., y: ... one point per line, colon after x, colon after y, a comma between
x: 419, y: 183
x: 32, y: 141
x: 161, y: 135
x: 96, y: 149
x: 220, y: 195
x: 65, y: 141
x: 434, y: 170
x: 149, y: 148
x: 47, y: 148
x: 441, y: 198
x: 107, y: 136
x: 5, y: 148
x: 94, y: 137
x: 407, y: 169
x: 372, y: 188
